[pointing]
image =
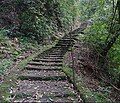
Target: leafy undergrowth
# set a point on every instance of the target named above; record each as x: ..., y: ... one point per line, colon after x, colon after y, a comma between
x: 87, y: 78
x: 11, y: 49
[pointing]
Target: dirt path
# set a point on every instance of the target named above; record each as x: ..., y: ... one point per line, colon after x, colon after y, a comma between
x: 43, y: 80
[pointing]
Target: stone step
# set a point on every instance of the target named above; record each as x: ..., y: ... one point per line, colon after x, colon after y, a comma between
x: 54, y: 49
x: 62, y: 46
x: 64, y: 43
x: 40, y: 89
x: 47, y: 60
x: 66, y: 39
x: 55, y: 54
x: 44, y: 63
x: 33, y: 67
x: 52, y: 55
x: 24, y: 95
x: 38, y: 78
x: 55, y: 57
x: 48, y: 100
x: 59, y: 47
x: 42, y: 75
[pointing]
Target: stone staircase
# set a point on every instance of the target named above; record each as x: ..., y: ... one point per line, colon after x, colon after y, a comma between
x: 43, y: 81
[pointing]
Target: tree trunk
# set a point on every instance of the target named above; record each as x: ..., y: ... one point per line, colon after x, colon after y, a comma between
x: 118, y: 5
x: 112, y: 40
x: 109, y: 45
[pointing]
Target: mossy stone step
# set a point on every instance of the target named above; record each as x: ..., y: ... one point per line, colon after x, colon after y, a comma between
x: 48, y: 100
x: 62, y: 47
x: 64, y: 41
x: 34, y: 67
x: 37, y: 78
x: 44, y: 64
x: 53, y: 57
x: 59, y: 55
x: 64, y: 44
x: 55, y: 52
x: 42, y: 75
x: 54, y: 49
x: 47, y: 60
x: 24, y: 95
x: 67, y: 39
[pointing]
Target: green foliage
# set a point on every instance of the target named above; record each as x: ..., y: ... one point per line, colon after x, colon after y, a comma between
x: 101, y: 12
x: 4, y: 64
x: 38, y: 19
x: 43, y: 18
x: 97, y: 33
x: 70, y: 11
x: 95, y: 9
x: 114, y: 56
x: 100, y: 15
x: 2, y: 36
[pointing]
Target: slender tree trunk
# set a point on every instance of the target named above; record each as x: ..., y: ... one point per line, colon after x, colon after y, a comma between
x: 118, y: 5
x: 109, y: 44
x: 113, y: 39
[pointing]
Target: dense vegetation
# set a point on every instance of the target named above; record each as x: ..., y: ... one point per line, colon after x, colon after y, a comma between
x: 36, y: 19
x: 104, y: 33
x: 39, y: 22
x: 28, y: 22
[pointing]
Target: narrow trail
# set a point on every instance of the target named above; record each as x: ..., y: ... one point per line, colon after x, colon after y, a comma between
x: 43, y: 80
